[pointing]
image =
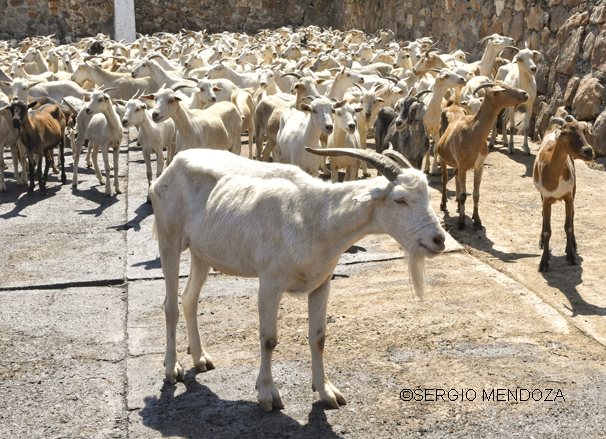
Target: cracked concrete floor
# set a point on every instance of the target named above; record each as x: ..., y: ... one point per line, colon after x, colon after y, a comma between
x: 82, y: 328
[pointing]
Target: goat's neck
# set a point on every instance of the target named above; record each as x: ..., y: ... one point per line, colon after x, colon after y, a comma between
x: 182, y: 117
x: 68, y: 65
x: 487, y: 61
x: 486, y: 116
x: 101, y: 76
x: 42, y: 65
x: 559, y: 158
x: 339, y: 86
x: 147, y: 125
x: 312, y: 133
x: 525, y: 81
x: 439, y: 90
x: 339, y: 137
x: 344, y: 221
x: 160, y: 75
x: 113, y: 120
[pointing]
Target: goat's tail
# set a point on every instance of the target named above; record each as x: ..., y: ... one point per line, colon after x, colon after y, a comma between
x: 416, y: 269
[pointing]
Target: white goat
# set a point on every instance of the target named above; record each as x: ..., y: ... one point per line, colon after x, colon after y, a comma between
x: 217, y: 127
x: 100, y: 124
x: 153, y: 137
x: 274, y: 222
x: 303, y: 128
x: 345, y: 135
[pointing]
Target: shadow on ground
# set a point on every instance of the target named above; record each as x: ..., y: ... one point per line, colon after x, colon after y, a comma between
x: 200, y: 413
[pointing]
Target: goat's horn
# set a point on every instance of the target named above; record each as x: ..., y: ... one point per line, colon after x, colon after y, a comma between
x: 484, y: 39
x: 389, y: 78
x: 179, y: 86
x: 110, y: 89
x: 569, y: 118
x: 358, y: 86
x: 73, y: 109
x: 88, y: 58
x: 481, y: 86
x: 432, y: 46
x: 422, y: 92
x: 386, y: 166
x: 512, y: 47
x: 397, y: 157
x: 557, y: 120
x: 296, y: 75
x: 435, y: 70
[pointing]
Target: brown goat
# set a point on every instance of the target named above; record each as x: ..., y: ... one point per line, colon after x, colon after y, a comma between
x: 554, y: 177
x: 40, y: 132
x: 463, y: 145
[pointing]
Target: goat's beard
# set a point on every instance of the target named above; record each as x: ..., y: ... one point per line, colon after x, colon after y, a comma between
x: 416, y: 269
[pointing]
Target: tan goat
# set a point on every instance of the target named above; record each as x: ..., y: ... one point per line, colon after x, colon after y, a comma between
x: 554, y: 177
x: 463, y: 145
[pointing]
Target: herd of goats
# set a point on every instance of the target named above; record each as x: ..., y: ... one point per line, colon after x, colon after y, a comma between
x: 301, y: 96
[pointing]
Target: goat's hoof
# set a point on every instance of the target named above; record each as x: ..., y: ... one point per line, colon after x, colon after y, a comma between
x: 63, y: 179
x: 443, y: 206
x: 89, y: 165
x: 269, y: 397
x: 176, y: 374
x: 543, y: 266
x: 571, y: 259
x: 477, y: 225
x: 118, y: 190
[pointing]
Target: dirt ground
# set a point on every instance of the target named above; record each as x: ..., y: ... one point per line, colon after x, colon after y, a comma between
x: 82, y: 330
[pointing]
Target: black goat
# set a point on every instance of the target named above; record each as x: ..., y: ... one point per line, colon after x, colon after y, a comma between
x: 404, y: 129
x: 96, y: 48
x: 40, y: 131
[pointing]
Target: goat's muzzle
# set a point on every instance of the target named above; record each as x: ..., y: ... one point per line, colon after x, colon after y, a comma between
x: 17, y: 123
x: 367, y: 116
x: 155, y: 116
x: 124, y: 123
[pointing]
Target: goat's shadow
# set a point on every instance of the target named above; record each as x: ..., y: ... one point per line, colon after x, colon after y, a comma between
x: 98, y: 197
x: 478, y: 239
x: 18, y: 196
x: 200, y: 413
x: 143, y: 211
x: 566, y: 278
x: 152, y: 264
x: 518, y: 156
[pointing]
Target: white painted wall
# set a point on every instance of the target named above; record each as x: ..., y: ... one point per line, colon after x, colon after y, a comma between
x: 124, y: 20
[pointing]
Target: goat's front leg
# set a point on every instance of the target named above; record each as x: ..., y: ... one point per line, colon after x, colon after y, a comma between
x: 2, y: 183
x: 24, y: 160
x: 269, y: 301
x: 32, y: 167
x: 363, y: 139
x: 477, y: 179
x: 444, y: 184
x: 527, y: 117
x: 116, y: 151
x: 95, y: 155
x: 512, y: 122
x: 317, y: 303
x: 198, y: 273
x: 461, y: 178
x: 571, y: 256
x: 108, y: 187
x: 434, y: 166
x: 546, y: 234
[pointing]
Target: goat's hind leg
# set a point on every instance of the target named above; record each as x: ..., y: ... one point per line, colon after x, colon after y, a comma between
x: 317, y: 303
x: 116, y: 151
x: 170, y: 255
x: 269, y: 302
x: 198, y: 274
x: 571, y: 256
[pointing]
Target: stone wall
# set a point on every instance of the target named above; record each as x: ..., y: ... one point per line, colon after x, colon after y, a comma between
x: 231, y: 15
x: 22, y: 18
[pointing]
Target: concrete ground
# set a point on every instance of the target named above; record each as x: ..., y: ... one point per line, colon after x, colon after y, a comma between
x: 495, y: 350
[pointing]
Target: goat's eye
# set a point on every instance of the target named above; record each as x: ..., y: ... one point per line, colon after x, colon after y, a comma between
x: 401, y: 201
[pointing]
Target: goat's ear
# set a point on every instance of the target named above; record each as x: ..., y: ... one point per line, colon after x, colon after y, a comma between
x: 358, y: 109
x: 320, y: 81
x: 398, y: 105
x: 380, y: 100
x: 144, y: 106
x: 148, y: 97
x: 217, y: 89
x: 8, y: 84
x: 119, y: 101
x: 376, y: 193
x: 305, y: 107
x: 177, y: 98
x: 557, y: 133
x: 87, y: 96
x: 421, y: 111
x: 32, y: 104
